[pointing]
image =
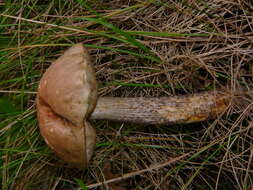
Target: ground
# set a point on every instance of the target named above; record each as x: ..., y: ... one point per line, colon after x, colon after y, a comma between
x: 147, y: 48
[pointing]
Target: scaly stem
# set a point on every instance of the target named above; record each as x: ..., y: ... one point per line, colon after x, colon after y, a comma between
x: 162, y: 111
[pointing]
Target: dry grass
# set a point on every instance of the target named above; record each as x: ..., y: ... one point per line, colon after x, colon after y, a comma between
x: 192, y: 46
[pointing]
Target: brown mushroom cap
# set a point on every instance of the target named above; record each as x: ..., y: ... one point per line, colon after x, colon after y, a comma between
x: 67, y: 95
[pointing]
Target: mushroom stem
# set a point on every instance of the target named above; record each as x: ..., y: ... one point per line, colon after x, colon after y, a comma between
x: 162, y: 111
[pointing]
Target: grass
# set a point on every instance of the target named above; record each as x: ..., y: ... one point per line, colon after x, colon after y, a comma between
x: 139, y: 48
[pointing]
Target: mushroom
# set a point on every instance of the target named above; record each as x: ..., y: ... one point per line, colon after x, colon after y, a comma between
x: 67, y: 99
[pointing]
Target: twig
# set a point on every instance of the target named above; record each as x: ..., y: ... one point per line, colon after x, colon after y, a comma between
x: 17, y: 92
x: 47, y: 24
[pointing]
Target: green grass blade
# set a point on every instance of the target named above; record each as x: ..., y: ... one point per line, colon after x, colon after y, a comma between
x: 151, y: 58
